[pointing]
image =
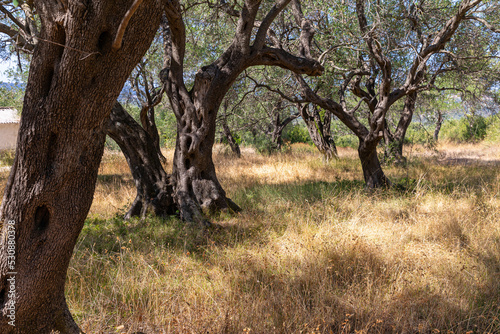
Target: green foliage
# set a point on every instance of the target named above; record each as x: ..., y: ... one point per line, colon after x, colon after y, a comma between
x: 297, y: 133
x: 466, y: 129
x: 493, y: 131
x: 418, y: 134
x: 343, y: 136
x: 7, y: 157
x: 347, y: 141
x: 167, y: 127
x: 264, y: 145
x: 11, y: 96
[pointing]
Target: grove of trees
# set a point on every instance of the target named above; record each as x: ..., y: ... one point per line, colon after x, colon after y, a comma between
x: 367, y: 64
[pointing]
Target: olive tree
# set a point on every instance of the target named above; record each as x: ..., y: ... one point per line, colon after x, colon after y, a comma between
x: 84, y: 54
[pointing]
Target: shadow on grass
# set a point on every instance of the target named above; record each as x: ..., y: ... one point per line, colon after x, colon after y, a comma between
x: 317, y: 290
x: 343, y: 290
x: 158, y: 234
x: 109, y: 179
x: 297, y: 192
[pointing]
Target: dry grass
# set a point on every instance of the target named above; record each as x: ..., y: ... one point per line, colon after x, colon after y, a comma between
x: 312, y: 252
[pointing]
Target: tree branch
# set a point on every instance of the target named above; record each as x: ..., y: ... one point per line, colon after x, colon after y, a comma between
x: 260, y: 38
x: 283, y: 59
x: 117, y: 44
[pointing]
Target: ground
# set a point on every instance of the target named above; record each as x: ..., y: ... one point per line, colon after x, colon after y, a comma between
x: 312, y: 251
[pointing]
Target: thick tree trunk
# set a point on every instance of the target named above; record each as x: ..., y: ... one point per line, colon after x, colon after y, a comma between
x: 319, y: 131
x: 196, y: 186
x: 372, y: 170
x: 149, y: 125
x: 197, y: 189
x: 439, y: 122
x: 60, y: 144
x: 154, y: 188
x: 196, y: 183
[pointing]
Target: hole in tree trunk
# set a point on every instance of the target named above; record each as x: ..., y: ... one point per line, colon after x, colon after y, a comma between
x: 59, y: 39
x: 47, y: 82
x: 2, y: 294
x: 104, y: 42
x: 189, y: 140
x: 187, y: 163
x: 42, y: 217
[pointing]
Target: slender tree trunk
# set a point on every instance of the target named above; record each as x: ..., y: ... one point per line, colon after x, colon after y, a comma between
x: 227, y: 132
x: 319, y: 131
x: 154, y: 188
x: 439, y: 122
x: 61, y: 140
x: 372, y: 170
x: 394, y: 142
x: 230, y: 139
x: 278, y: 126
x: 277, y: 131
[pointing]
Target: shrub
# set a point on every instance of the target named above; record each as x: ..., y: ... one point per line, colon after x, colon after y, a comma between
x: 296, y: 133
x: 493, y: 130
x: 466, y: 129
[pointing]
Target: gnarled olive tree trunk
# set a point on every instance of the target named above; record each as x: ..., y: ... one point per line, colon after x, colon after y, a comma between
x: 197, y: 188
x: 60, y: 144
x: 394, y: 141
x: 372, y: 170
x: 320, y: 130
x: 279, y: 125
x: 154, y: 188
x: 230, y: 139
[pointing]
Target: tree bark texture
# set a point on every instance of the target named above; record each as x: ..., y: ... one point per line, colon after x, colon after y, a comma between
x: 197, y: 189
x: 153, y: 184
x: 235, y: 148
x: 372, y: 170
x: 439, y: 123
x: 60, y: 144
x: 279, y: 125
x: 394, y: 142
x: 320, y: 131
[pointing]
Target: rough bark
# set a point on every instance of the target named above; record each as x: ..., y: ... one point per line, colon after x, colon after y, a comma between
x: 279, y: 125
x: 154, y: 188
x: 368, y: 138
x: 61, y: 139
x: 197, y: 189
x: 394, y: 142
x: 235, y: 148
x: 439, y: 123
x: 149, y: 125
x: 372, y: 170
x: 376, y: 73
x: 319, y: 131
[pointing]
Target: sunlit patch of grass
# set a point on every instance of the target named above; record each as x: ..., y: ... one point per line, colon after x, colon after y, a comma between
x: 312, y: 252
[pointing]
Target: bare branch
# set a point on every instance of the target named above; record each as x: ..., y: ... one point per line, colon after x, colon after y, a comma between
x: 484, y: 22
x: 283, y: 59
x: 260, y: 38
x: 117, y: 44
x: 13, y: 18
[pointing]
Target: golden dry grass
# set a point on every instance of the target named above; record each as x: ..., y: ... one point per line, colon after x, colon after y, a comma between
x: 312, y: 252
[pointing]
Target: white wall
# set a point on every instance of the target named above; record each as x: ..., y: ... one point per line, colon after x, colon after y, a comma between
x: 8, y: 135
